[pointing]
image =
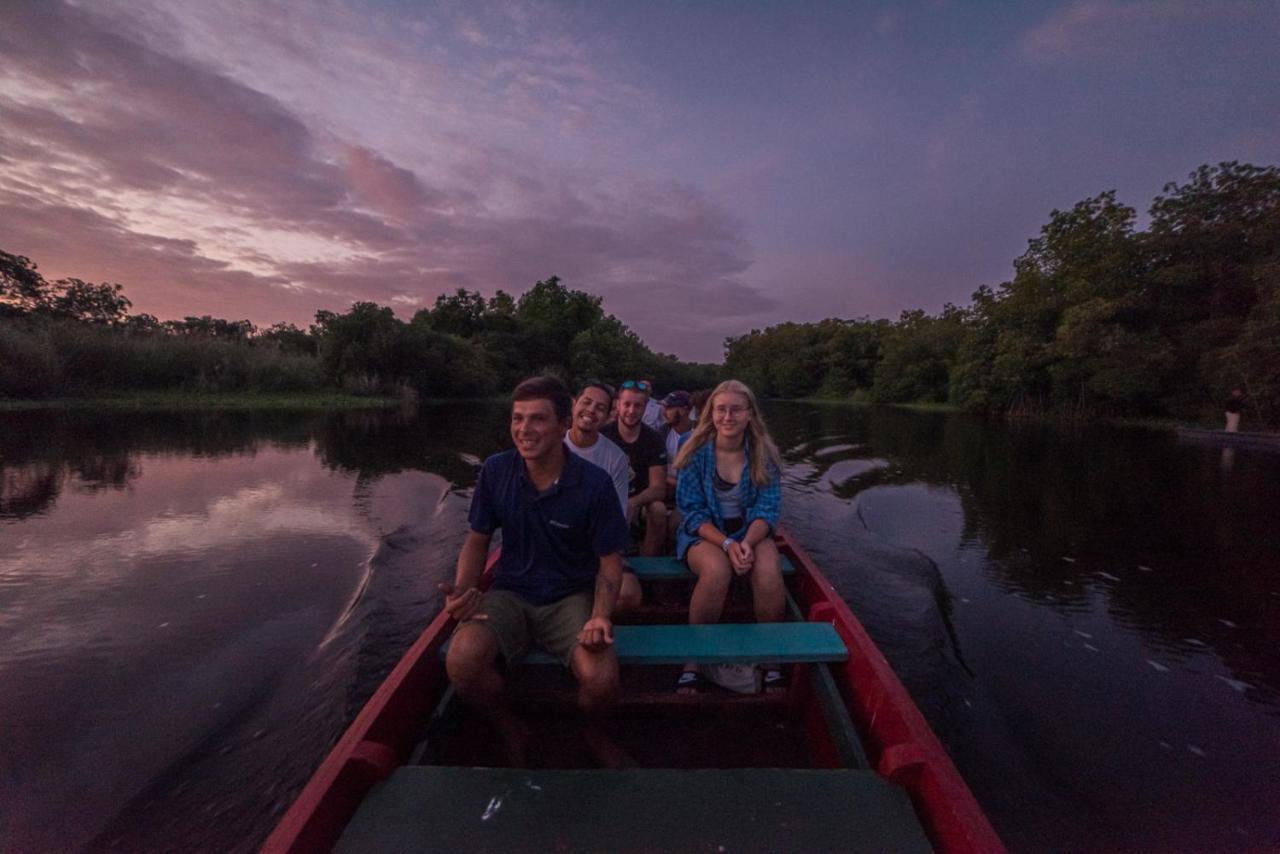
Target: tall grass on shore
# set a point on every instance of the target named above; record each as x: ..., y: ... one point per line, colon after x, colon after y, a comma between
x: 50, y: 358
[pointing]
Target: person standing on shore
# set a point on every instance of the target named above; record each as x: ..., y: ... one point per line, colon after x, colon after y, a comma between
x: 1235, y: 403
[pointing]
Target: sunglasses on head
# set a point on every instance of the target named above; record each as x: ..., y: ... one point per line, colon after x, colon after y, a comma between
x: 636, y: 384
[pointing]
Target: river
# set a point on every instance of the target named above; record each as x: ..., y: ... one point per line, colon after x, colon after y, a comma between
x: 193, y: 606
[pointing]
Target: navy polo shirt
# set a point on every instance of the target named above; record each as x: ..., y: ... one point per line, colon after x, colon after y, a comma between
x: 552, y: 541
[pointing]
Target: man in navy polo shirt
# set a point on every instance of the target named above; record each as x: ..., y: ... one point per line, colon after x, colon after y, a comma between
x: 558, y: 578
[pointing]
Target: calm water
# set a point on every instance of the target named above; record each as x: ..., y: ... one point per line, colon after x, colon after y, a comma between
x: 192, y: 607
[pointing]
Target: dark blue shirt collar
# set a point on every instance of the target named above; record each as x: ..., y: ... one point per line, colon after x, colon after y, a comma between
x: 570, y: 475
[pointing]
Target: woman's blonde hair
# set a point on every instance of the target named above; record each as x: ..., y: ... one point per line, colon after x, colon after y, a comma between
x: 760, y: 447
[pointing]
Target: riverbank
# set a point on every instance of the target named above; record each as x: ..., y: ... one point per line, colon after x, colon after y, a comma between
x: 192, y: 402
x: 841, y: 401
x: 1171, y: 425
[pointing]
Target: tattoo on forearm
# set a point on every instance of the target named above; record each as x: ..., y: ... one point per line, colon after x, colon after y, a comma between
x: 606, y: 594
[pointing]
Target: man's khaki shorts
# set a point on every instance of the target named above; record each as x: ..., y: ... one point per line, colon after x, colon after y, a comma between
x: 519, y: 624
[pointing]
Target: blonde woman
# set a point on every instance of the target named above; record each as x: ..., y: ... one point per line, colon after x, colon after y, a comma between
x: 729, y: 490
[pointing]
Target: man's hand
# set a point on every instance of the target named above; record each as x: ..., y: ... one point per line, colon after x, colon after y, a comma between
x: 596, y: 634
x: 741, y: 557
x: 462, y: 606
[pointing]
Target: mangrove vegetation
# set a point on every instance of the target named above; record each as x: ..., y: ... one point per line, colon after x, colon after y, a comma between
x: 1102, y: 317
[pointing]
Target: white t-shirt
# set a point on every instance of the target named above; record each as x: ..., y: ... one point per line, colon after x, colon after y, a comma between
x: 611, y: 458
x: 653, y: 414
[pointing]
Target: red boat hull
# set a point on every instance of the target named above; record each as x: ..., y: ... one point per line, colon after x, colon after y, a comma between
x: 900, y: 744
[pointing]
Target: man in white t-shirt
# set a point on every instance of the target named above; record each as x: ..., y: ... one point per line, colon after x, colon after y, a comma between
x: 652, y: 410
x: 590, y: 411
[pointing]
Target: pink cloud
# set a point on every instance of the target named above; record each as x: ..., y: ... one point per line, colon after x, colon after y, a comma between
x: 125, y: 120
x: 391, y: 189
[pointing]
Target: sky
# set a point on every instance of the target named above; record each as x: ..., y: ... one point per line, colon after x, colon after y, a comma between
x: 707, y: 168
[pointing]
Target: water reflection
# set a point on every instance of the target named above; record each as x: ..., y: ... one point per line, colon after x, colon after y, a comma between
x: 1115, y: 596
x: 192, y: 606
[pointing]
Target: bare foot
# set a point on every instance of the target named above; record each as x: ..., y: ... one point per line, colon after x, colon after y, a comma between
x: 515, y: 740
x: 606, y: 751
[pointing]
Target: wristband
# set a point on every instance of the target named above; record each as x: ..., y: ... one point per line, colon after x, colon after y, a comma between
x: 725, y: 544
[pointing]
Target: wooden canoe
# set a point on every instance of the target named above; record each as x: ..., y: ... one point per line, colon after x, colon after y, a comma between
x: 843, y: 760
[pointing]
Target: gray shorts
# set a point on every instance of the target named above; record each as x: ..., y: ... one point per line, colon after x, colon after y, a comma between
x: 519, y: 624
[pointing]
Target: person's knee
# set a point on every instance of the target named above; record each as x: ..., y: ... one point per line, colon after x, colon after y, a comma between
x: 629, y: 594
x: 715, y: 575
x: 471, y: 652
x: 656, y: 512
x: 766, y: 581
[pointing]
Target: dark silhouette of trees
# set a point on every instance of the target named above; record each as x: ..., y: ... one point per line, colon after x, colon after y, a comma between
x: 1098, y: 319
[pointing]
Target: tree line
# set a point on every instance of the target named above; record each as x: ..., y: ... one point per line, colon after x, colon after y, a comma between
x: 73, y: 338
x: 1100, y: 318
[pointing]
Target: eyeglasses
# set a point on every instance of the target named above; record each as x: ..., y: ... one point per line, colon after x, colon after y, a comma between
x: 721, y: 411
x: 636, y: 384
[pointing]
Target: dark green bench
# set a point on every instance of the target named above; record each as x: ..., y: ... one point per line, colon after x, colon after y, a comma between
x: 666, y: 567
x: 424, y: 808
x: 722, y: 643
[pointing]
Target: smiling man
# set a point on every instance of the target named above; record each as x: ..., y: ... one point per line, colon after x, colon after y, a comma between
x: 590, y: 412
x: 557, y: 582
x: 648, y: 457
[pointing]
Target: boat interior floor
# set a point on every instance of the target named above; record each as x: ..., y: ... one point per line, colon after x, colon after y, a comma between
x: 706, y: 736
x: 510, y: 810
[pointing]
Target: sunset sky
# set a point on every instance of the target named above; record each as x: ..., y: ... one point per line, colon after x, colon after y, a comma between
x: 705, y: 167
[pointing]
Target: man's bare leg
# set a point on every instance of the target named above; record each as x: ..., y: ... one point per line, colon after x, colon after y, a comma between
x: 472, y: 668
x: 597, y: 675
x: 655, y: 529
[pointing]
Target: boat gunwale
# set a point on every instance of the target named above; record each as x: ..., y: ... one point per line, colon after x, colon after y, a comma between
x: 903, y: 746
x: 324, y: 806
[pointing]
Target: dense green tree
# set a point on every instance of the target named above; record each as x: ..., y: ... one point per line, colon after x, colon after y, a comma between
x: 462, y: 313
x: 143, y: 324
x: 551, y: 316
x: 206, y: 326
x: 917, y: 356
x: 608, y: 349
x: 1098, y: 318
x: 288, y: 338
x: 363, y: 350
x: 439, y: 365
x: 22, y: 288
x: 89, y: 303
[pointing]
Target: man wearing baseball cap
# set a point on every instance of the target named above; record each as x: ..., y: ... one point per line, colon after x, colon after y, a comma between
x: 677, y: 425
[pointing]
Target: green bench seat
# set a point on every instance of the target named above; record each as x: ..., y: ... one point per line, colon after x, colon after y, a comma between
x: 667, y: 567
x: 722, y: 643
x: 423, y: 808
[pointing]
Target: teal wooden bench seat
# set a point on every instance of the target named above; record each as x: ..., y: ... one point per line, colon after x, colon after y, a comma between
x: 722, y: 643
x: 729, y: 643
x: 667, y: 567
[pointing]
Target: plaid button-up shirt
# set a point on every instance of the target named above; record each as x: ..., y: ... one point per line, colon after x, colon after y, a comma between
x: 696, y: 497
